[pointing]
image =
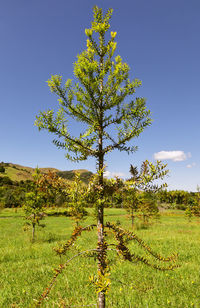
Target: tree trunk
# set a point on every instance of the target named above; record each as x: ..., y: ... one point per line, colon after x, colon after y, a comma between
x: 101, y: 300
x: 33, y: 228
x: 100, y: 222
x: 33, y: 232
x: 100, y: 228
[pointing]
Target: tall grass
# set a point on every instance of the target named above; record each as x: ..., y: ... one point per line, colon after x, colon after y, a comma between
x: 27, y: 268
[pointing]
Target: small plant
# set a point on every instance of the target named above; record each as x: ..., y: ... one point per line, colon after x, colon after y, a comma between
x: 147, y: 208
x: 42, y: 192
x: 131, y: 203
x: 189, y: 213
x: 33, y: 208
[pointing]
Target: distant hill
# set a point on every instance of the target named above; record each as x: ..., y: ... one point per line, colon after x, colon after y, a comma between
x: 85, y: 175
x: 21, y: 173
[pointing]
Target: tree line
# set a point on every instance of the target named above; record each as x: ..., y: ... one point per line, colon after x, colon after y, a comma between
x: 12, y: 195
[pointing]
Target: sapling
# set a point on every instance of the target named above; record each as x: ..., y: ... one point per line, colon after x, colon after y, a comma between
x: 33, y: 209
x: 140, y: 190
x: 102, y: 99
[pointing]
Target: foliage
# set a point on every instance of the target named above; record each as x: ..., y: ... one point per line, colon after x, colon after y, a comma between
x: 2, y: 169
x: 71, y: 194
x: 140, y: 189
x: 175, y: 196
x: 33, y: 209
x: 103, y: 86
x: 147, y: 207
x: 149, y: 173
x: 111, y: 191
x: 131, y: 202
x: 77, y: 199
x: 122, y: 237
x: 5, y: 181
x: 43, y: 193
x: 85, y: 175
x: 11, y: 195
x: 54, y: 187
x: 193, y: 208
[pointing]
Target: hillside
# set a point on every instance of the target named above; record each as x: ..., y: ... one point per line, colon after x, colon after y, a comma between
x: 22, y: 173
x: 85, y: 175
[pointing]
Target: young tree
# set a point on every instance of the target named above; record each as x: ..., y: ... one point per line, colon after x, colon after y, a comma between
x: 141, y: 188
x: 33, y: 208
x: 42, y: 193
x: 33, y: 205
x: 131, y: 202
x: 54, y: 187
x: 101, y: 98
x: 193, y: 207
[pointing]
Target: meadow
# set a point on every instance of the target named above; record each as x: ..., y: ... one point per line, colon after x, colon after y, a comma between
x: 26, y: 268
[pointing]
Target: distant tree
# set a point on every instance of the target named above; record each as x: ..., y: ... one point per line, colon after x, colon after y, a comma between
x: 112, y: 192
x: 131, y: 202
x: 193, y: 208
x: 77, y: 199
x: 5, y: 180
x: 13, y: 196
x: 54, y: 187
x: 33, y: 208
x: 34, y: 203
x: 42, y: 194
x: 102, y: 101
x: 2, y: 169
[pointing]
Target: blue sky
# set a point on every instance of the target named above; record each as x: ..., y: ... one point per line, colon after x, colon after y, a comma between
x: 158, y: 39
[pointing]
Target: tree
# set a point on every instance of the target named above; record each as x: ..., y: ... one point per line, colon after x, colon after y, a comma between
x: 131, y: 202
x: 2, y: 169
x: 33, y: 208
x: 141, y: 188
x: 101, y: 98
x: 5, y: 181
x: 34, y: 203
x: 193, y: 208
x: 54, y: 188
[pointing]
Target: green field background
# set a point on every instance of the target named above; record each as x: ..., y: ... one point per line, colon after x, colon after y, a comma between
x: 26, y: 268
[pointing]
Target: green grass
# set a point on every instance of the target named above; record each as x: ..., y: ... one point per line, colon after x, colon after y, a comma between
x: 27, y: 268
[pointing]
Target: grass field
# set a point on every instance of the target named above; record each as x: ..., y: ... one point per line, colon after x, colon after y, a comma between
x: 26, y: 268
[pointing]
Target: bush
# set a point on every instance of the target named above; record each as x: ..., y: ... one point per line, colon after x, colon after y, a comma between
x: 181, y: 207
x: 2, y: 169
x: 5, y: 181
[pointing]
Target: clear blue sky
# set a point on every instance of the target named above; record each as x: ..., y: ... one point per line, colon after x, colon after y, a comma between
x: 158, y: 39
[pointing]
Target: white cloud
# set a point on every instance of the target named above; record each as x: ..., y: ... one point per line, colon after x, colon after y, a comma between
x: 173, y: 155
x: 109, y: 174
x: 191, y: 165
